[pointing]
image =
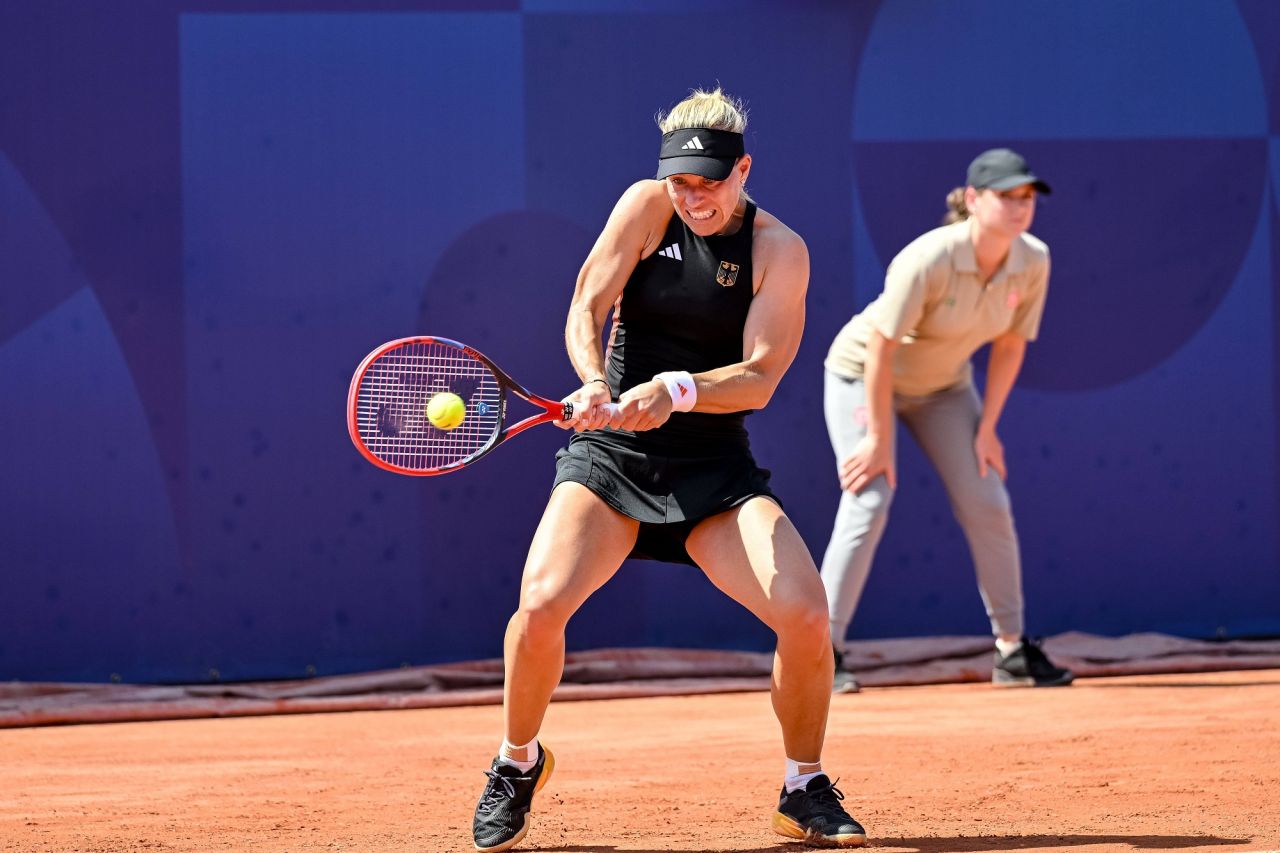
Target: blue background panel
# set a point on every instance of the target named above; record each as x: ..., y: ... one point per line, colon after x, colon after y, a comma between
x: 211, y: 214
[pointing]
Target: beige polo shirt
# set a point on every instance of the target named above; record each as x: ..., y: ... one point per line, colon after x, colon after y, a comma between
x: 935, y: 303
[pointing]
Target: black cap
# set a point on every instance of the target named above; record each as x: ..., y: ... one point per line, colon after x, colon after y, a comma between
x: 1002, y: 169
x: 699, y: 151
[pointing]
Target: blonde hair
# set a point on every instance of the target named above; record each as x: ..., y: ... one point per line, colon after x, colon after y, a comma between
x: 957, y: 210
x: 713, y: 110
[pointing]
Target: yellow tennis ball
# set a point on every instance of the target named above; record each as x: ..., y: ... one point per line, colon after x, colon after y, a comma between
x: 446, y: 411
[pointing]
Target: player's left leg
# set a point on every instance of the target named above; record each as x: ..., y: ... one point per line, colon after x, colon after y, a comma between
x: 754, y: 554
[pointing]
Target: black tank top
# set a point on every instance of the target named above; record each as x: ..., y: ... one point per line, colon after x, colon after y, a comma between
x: 684, y: 308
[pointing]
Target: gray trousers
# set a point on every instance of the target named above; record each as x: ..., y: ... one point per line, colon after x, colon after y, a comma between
x: 944, y: 424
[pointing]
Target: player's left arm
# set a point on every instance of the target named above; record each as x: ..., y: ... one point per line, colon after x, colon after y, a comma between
x: 775, y: 324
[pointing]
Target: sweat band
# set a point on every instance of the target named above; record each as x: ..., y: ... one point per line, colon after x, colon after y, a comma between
x: 680, y: 385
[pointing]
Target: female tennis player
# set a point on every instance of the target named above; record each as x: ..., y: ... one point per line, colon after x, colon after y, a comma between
x: 708, y: 294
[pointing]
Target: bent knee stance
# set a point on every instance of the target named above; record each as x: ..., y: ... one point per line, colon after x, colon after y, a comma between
x: 540, y: 621
x: 804, y: 620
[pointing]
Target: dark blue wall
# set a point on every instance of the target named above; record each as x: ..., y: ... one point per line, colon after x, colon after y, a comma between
x: 210, y: 211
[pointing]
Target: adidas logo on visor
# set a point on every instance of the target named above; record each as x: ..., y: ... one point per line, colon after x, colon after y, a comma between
x: 672, y: 251
x: 693, y: 144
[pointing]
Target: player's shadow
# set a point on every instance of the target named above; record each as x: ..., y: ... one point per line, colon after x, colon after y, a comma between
x: 973, y: 844
x: 967, y: 844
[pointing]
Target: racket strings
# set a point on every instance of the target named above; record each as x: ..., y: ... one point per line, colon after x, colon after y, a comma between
x: 391, y: 406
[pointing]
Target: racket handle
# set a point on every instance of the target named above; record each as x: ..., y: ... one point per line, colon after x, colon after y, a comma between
x: 570, y: 415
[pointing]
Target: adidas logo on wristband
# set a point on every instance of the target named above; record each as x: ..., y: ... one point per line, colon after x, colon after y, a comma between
x: 681, y: 387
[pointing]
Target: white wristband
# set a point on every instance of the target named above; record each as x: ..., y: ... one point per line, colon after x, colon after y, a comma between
x: 684, y: 393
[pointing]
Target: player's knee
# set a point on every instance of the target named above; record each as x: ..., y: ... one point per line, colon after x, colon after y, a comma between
x: 804, y: 619
x: 541, y: 618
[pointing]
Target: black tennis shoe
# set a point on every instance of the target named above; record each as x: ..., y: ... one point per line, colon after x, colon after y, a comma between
x: 1028, y: 666
x: 502, y: 815
x: 815, y: 816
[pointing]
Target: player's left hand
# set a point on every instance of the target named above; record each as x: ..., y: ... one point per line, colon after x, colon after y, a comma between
x: 646, y: 406
x: 990, y: 452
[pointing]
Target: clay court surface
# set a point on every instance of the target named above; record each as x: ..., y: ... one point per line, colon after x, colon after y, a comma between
x: 1172, y: 762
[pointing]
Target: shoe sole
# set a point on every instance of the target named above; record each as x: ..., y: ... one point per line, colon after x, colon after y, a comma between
x: 788, y: 828
x: 524, y: 830
x: 1000, y: 680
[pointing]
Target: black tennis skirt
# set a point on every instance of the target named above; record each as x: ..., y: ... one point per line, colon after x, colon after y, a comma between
x: 667, y: 494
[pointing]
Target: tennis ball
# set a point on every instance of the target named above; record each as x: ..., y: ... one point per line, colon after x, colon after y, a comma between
x: 446, y: 410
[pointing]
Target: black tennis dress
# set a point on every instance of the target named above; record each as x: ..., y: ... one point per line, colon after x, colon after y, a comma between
x: 684, y: 308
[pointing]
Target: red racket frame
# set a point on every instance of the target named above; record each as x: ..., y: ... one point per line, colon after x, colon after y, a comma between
x: 554, y: 410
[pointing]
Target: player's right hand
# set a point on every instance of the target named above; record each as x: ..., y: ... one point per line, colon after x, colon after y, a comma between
x: 588, y: 400
x: 870, y: 458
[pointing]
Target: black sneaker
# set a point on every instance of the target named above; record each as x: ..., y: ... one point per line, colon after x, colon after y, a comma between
x: 1028, y: 666
x: 815, y: 816
x: 844, y: 681
x: 502, y: 815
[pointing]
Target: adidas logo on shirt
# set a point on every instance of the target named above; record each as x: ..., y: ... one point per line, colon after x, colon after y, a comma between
x: 693, y: 145
x: 672, y: 251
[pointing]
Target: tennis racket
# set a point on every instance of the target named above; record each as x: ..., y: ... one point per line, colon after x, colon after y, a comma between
x: 387, y: 406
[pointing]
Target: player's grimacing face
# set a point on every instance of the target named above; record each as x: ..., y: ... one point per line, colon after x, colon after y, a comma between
x: 707, y: 206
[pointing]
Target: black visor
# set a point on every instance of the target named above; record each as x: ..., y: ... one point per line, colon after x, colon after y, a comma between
x: 699, y: 151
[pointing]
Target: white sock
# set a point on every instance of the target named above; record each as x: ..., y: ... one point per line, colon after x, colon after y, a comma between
x: 523, y: 757
x: 1007, y: 647
x: 800, y: 772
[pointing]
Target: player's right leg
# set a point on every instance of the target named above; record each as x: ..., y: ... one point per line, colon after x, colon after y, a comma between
x: 578, y: 546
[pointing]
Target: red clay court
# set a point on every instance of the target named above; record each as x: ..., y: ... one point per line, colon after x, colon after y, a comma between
x: 1187, y: 762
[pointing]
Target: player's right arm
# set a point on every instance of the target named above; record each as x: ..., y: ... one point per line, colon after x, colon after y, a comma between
x: 633, y: 230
